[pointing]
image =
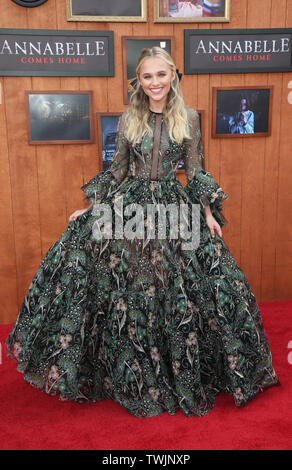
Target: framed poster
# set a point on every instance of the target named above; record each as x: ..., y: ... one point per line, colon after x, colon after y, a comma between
x: 191, y: 11
x: 107, y: 129
x: 242, y: 111
x: 132, y: 47
x: 107, y: 10
x: 181, y: 165
x: 59, y: 117
x: 45, y: 52
x: 238, y: 50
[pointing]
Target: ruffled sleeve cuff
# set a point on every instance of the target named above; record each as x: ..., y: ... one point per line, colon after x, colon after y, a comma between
x: 204, y: 190
x: 100, y: 186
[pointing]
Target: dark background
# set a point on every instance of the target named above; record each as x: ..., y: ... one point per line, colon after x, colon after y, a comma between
x: 106, y: 7
x: 60, y: 117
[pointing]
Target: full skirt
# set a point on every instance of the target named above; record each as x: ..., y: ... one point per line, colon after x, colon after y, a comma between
x: 147, y: 324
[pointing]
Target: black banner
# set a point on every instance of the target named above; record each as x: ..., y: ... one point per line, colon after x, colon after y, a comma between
x: 238, y: 50
x: 36, y: 52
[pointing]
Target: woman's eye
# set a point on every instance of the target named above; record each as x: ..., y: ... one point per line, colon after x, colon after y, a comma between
x: 148, y: 76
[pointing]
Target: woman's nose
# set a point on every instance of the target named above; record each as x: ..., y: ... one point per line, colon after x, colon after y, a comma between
x: 155, y: 81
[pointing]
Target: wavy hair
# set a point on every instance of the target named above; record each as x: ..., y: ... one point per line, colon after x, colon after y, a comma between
x: 175, y: 113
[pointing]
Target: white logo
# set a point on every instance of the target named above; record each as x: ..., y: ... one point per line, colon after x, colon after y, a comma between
x: 177, y: 221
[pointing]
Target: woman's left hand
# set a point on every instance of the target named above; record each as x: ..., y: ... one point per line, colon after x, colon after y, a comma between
x: 213, y: 225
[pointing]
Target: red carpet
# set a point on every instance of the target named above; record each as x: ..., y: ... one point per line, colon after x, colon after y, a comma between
x: 30, y: 419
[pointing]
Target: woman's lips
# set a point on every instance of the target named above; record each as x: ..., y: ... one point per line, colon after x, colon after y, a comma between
x: 156, y: 90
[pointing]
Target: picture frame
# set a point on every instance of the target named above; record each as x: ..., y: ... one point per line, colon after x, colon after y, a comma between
x: 107, y: 10
x: 191, y: 11
x: 107, y: 128
x: 131, y: 49
x: 59, y: 117
x: 242, y: 111
x: 181, y: 166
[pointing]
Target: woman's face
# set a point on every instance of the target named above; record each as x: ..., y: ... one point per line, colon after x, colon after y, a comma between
x: 243, y: 105
x: 155, y: 77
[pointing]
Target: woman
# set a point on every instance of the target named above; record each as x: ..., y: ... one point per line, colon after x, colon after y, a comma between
x: 243, y: 120
x: 145, y: 322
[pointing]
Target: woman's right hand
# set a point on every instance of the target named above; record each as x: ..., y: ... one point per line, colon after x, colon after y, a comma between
x: 77, y: 213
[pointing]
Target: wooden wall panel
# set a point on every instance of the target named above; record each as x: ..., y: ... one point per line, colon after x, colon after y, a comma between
x: 271, y: 172
x: 72, y: 156
x: 24, y: 182
x: 49, y: 160
x: 8, y: 272
x: 41, y: 185
x: 283, y: 268
x: 253, y: 151
x: 12, y: 16
x: 51, y: 178
x: 231, y: 181
x: 232, y: 156
x: 89, y: 152
x: 44, y: 17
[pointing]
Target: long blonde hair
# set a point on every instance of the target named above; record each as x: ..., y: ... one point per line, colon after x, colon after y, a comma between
x: 175, y: 114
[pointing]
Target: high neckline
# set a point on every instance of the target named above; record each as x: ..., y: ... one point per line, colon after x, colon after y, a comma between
x: 154, y: 112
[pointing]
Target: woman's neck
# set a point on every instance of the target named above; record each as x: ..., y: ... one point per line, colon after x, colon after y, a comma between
x: 156, y: 107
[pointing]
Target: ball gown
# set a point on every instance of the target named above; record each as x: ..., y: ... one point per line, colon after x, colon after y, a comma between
x: 142, y: 321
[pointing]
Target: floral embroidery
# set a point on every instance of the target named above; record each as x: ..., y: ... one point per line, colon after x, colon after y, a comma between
x: 191, y: 339
x: 154, y: 353
x: 17, y: 349
x: 65, y: 340
x: 54, y: 373
x: 154, y: 393
x: 146, y: 323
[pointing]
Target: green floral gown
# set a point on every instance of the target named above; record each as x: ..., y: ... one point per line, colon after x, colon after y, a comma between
x: 144, y: 322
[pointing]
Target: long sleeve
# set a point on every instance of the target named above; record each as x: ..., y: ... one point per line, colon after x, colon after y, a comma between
x: 201, y: 187
x: 249, y: 127
x: 106, y: 181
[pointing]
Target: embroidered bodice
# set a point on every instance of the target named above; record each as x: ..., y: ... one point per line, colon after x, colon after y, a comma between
x: 157, y: 157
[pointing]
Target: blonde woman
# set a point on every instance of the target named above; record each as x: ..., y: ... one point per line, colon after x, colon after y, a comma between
x: 140, y: 320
